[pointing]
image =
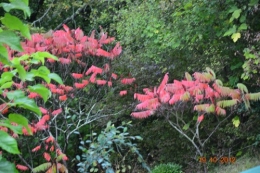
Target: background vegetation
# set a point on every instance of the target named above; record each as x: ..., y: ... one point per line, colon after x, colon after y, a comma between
x: 157, y: 36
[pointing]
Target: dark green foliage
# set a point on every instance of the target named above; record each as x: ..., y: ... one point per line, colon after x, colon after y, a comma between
x: 108, y: 151
x: 167, y: 168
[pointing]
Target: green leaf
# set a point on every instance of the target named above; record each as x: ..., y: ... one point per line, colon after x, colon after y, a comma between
x: 239, y: 154
x: 6, y: 77
x: 186, y: 126
x: 17, y: 4
x: 6, y: 166
x: 236, y: 13
x: 14, y: 23
x: 19, y: 119
x: 15, y: 129
x: 26, y: 2
x: 55, y: 77
x: 21, y: 71
x: 27, y: 103
x: 29, y: 76
x: 242, y: 87
x: 15, y: 94
x: 236, y: 121
x: 41, y: 90
x: 7, y: 85
x: 42, y: 72
x: 3, y: 55
x: 231, y: 31
x: 8, y: 143
x: 243, y: 26
x: 41, y: 55
x: 188, y: 6
x: 236, y: 36
x: 11, y: 39
x: 42, y: 168
x: 253, y: 2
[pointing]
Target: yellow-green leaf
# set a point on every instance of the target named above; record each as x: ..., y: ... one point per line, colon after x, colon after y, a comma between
x: 236, y: 121
x: 236, y: 36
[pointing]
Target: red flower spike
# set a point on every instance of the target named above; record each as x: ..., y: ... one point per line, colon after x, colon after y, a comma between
x: 63, y: 98
x: 79, y: 85
x: 65, y: 158
x: 64, y: 61
x: 36, y: 148
x: 122, y: 93
x: 57, y: 112
x: 49, y: 139
x: 143, y: 114
x: 116, y: 51
x: 77, y: 75
x: 200, y: 118
x: 68, y: 88
x: 47, y: 156
x: 52, y: 148
x: 33, y: 95
x: 126, y: 81
x: 22, y: 167
x: 109, y: 83
x: 101, y: 82
x: 114, y: 76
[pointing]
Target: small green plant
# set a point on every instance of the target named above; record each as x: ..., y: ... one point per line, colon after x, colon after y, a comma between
x: 167, y: 168
x: 109, y: 151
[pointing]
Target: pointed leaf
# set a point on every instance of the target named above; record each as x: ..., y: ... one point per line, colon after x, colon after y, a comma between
x: 230, y: 31
x: 55, y: 77
x: 11, y: 39
x: 6, y: 85
x: 21, y: 72
x: 15, y: 129
x: 17, y: 4
x: 6, y: 166
x: 186, y: 126
x: 19, y: 119
x: 14, y: 23
x: 41, y: 90
x: 27, y: 103
x: 8, y: 143
x: 15, y: 94
x: 3, y: 55
x: 243, y: 26
x: 236, y: 13
x: 41, y: 55
x: 42, y: 168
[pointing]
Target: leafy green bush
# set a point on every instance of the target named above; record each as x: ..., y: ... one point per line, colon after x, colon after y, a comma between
x: 167, y: 168
x: 109, y: 151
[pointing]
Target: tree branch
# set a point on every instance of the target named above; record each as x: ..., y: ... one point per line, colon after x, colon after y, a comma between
x: 216, y: 128
x: 181, y: 132
x: 39, y: 20
x: 71, y: 17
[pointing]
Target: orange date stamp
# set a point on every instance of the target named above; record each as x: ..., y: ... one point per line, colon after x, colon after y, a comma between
x: 222, y: 160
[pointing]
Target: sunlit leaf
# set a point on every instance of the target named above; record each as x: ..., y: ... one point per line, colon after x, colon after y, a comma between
x: 236, y: 121
x: 19, y: 119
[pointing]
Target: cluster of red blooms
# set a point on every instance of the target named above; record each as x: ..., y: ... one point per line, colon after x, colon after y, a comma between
x: 69, y: 46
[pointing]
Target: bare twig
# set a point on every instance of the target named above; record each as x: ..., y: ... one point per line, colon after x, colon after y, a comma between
x: 24, y: 161
x: 47, y: 11
x: 71, y: 17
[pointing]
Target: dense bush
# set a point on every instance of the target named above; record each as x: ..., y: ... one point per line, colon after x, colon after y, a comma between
x: 167, y: 168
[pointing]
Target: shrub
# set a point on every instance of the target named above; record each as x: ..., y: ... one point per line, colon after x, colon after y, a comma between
x: 167, y: 168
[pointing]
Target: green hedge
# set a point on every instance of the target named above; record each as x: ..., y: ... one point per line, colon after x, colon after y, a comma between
x: 167, y: 168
